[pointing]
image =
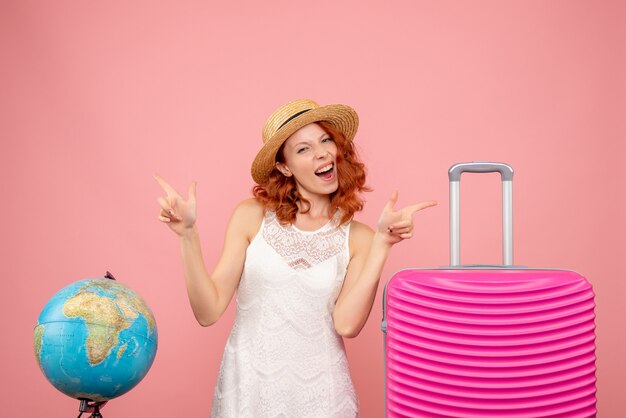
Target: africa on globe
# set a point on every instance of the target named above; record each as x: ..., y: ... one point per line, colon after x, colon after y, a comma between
x: 95, y: 339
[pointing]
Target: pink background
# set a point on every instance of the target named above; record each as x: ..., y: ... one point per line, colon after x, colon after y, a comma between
x: 97, y: 96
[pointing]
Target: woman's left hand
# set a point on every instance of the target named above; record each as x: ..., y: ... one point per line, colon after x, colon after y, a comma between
x: 397, y: 225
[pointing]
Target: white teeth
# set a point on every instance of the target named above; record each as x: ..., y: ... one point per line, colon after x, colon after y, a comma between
x: 324, y: 169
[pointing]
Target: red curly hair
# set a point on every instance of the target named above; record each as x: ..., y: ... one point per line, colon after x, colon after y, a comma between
x: 280, y: 193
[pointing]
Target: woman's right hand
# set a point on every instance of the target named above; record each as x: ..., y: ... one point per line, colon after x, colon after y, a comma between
x: 179, y: 214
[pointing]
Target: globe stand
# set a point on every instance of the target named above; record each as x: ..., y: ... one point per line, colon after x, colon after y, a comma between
x: 93, y: 407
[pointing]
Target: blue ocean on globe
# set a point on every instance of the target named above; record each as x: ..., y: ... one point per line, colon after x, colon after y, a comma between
x: 95, y: 339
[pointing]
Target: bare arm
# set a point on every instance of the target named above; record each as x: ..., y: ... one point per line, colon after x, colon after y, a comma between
x: 356, y: 299
x: 369, y: 253
x: 209, y: 294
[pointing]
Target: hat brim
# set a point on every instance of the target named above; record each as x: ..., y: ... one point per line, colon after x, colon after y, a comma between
x: 342, y: 117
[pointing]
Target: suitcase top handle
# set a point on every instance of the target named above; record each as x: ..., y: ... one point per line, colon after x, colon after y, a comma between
x: 506, y: 173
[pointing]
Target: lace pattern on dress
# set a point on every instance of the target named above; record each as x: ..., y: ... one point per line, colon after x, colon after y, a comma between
x: 284, y: 357
x: 300, y: 250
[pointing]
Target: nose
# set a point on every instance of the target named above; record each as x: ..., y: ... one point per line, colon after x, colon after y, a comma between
x: 321, y: 153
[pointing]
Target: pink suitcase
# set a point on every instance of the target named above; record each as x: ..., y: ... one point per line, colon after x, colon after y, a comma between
x: 476, y: 341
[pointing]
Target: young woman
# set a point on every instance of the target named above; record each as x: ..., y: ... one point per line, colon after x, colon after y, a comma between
x: 305, y: 271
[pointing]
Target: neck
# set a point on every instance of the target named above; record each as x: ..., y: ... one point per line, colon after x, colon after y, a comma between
x: 318, y: 205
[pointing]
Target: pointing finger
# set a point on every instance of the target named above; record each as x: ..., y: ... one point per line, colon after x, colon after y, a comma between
x: 419, y: 206
x: 169, y: 189
x: 163, y: 203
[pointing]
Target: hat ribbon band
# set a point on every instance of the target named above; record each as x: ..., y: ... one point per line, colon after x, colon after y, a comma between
x: 293, y: 117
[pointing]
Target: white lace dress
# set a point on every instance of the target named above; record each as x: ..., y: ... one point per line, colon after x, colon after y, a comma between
x: 283, y: 357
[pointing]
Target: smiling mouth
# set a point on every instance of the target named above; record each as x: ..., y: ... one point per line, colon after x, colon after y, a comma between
x: 326, y: 172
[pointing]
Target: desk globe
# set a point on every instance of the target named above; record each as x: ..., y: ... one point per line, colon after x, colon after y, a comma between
x: 95, y: 339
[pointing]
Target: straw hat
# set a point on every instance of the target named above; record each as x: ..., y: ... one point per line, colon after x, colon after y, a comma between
x: 292, y: 116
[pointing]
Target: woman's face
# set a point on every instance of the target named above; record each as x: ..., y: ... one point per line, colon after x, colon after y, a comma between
x: 310, y: 155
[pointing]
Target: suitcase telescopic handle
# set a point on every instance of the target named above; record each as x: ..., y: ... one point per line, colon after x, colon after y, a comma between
x: 506, y: 173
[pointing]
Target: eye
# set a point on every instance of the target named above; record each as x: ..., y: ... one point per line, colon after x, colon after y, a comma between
x: 301, y: 150
x: 328, y: 139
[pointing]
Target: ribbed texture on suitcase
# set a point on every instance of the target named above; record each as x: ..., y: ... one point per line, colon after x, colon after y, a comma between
x: 490, y: 343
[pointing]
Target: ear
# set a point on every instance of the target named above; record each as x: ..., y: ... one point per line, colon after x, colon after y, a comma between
x: 282, y: 167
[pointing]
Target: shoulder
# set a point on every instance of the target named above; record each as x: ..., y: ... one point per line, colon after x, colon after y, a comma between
x: 247, y: 217
x: 360, y: 237
x: 250, y: 206
x: 360, y: 230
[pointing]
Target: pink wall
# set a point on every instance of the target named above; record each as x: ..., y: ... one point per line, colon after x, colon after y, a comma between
x: 97, y: 96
